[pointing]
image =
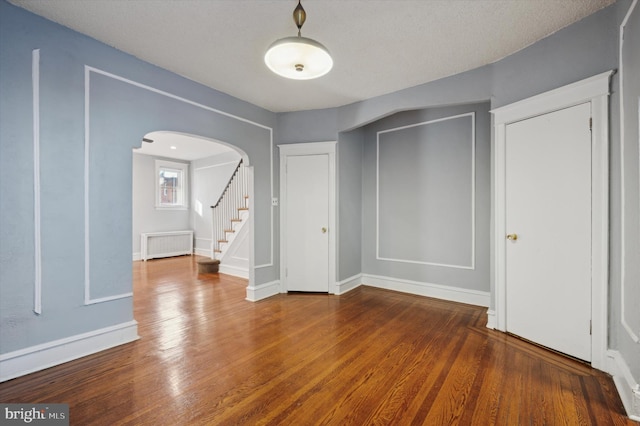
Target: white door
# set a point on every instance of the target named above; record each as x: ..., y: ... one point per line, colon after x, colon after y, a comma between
x: 548, y: 222
x: 307, y: 227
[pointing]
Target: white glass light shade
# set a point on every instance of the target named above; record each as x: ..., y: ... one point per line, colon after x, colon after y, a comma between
x: 298, y: 58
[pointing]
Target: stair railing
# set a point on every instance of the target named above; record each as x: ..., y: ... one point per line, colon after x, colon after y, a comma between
x: 226, y: 212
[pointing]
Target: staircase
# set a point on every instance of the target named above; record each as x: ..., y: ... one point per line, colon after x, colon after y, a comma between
x: 230, y: 213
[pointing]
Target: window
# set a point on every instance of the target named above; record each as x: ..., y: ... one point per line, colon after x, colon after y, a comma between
x: 171, y: 185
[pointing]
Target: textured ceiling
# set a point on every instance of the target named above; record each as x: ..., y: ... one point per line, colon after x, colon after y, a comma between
x: 379, y: 46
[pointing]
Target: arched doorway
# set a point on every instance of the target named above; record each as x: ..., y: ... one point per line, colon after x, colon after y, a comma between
x: 118, y: 114
x: 177, y: 178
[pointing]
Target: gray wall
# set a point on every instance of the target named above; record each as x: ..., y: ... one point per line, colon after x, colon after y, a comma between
x: 146, y: 218
x: 307, y: 126
x: 119, y: 113
x: 422, y: 197
x: 426, y: 190
x: 625, y: 315
x: 349, y: 157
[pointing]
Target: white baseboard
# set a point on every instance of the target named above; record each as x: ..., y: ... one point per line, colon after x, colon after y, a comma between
x: 36, y: 358
x: 137, y: 256
x: 203, y: 252
x: 454, y: 294
x: 627, y: 386
x: 491, y: 319
x: 262, y: 291
x: 349, y: 284
x: 236, y: 271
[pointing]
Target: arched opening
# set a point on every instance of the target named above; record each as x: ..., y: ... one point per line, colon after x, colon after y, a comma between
x: 176, y: 180
x: 118, y: 114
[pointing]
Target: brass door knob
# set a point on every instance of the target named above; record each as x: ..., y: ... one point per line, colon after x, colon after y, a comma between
x: 512, y: 237
x: 324, y: 230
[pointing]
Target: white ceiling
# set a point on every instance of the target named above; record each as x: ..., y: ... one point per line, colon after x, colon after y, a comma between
x: 180, y: 146
x: 379, y: 46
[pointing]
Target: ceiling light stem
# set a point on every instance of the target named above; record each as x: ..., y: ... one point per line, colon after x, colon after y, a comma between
x: 299, y: 15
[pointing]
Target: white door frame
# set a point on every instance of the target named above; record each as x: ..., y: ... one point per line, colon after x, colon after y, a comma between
x: 596, y: 91
x: 297, y: 149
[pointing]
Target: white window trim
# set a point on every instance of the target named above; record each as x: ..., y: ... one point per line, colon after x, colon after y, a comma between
x: 184, y: 168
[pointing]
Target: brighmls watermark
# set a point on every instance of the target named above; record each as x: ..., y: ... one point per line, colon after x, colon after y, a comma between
x: 36, y: 414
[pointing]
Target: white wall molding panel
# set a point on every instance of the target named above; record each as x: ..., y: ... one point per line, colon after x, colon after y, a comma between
x: 425, y: 209
x: 37, y: 291
x: 630, y: 176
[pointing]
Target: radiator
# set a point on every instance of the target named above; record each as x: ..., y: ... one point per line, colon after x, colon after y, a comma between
x: 166, y: 244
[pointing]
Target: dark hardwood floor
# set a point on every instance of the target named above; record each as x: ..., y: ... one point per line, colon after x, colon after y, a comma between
x: 207, y: 356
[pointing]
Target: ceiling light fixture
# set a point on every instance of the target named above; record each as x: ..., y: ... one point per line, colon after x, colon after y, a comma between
x: 298, y: 58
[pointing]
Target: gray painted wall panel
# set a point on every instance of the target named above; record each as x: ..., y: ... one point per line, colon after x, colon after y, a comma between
x: 582, y: 50
x: 426, y: 192
x: 421, y: 219
x: 349, y: 157
x: 16, y: 195
x: 307, y: 126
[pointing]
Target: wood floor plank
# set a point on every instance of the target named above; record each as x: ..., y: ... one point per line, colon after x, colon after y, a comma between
x: 488, y: 382
x: 209, y: 357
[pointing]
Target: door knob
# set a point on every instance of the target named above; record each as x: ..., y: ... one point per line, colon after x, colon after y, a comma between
x: 324, y: 230
x: 512, y: 237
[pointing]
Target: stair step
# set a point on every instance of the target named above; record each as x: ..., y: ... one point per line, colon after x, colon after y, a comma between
x: 243, y: 208
x: 223, y: 241
x: 236, y: 220
x: 229, y: 230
